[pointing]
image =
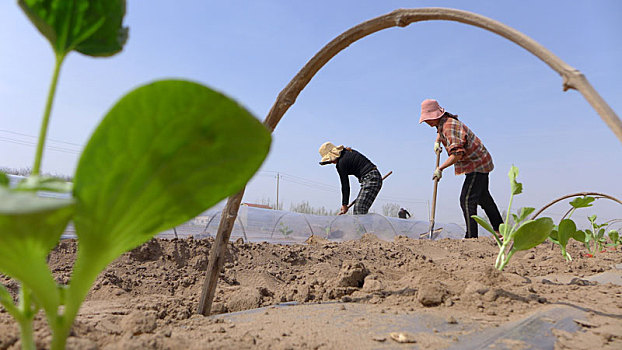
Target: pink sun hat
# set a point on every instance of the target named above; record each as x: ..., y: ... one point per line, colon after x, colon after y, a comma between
x: 430, y: 110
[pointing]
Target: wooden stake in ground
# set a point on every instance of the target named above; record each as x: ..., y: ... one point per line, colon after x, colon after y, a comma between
x: 433, y: 213
x: 218, y: 252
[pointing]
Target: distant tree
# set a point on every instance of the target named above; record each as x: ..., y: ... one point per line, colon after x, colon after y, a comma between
x: 266, y: 201
x: 390, y: 209
x: 305, y: 208
x: 19, y: 172
x: 26, y: 171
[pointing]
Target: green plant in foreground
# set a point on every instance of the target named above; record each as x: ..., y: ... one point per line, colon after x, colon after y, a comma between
x: 163, y: 154
x: 567, y: 228
x: 523, y: 234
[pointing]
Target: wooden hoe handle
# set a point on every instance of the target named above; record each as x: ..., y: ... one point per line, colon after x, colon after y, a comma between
x: 384, y: 177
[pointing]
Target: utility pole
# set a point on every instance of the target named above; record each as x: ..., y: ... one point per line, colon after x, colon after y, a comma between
x: 277, y: 191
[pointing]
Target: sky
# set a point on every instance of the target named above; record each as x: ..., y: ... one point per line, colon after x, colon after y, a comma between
x: 367, y: 97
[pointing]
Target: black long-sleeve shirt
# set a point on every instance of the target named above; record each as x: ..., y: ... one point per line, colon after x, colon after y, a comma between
x: 351, y: 162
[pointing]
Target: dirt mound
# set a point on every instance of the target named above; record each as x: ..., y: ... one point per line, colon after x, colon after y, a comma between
x: 147, y: 296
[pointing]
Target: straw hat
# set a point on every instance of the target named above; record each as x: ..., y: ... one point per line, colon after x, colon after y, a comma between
x: 329, y: 152
x: 430, y: 110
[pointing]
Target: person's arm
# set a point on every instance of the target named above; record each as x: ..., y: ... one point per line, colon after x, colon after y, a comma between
x: 455, y: 150
x: 345, y: 191
x: 343, y: 210
x: 451, y: 160
x: 437, y: 143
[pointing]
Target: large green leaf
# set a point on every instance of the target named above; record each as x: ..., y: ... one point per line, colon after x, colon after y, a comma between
x: 6, y: 300
x: 483, y: 223
x: 554, y: 235
x: 524, y: 212
x: 4, y: 180
x: 532, y: 233
x: 503, y: 229
x: 614, y: 236
x: 601, y: 233
x: 92, y: 27
x: 579, y: 236
x: 582, y: 202
x: 163, y: 154
x: 30, y: 226
x: 567, y: 229
x: 517, y: 188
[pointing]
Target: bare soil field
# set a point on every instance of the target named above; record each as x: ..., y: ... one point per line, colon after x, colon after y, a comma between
x: 347, y: 295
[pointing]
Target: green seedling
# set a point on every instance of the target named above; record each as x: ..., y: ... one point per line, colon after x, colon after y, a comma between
x: 595, y: 239
x: 567, y: 228
x: 523, y: 234
x: 285, y: 230
x: 163, y: 154
x: 615, y: 239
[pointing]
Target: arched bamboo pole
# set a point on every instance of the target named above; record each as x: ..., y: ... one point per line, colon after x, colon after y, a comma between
x: 572, y: 79
x: 579, y: 194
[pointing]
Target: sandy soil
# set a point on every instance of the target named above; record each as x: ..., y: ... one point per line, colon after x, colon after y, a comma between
x: 147, y: 298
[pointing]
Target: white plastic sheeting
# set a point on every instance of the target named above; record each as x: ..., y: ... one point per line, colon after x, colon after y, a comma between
x: 277, y: 226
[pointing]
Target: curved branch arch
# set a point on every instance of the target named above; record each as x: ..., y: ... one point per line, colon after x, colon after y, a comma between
x: 572, y: 79
x: 597, y: 195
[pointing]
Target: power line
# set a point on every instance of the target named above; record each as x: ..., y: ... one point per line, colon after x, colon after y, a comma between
x: 33, y: 144
x: 301, y: 181
x: 294, y: 178
x: 35, y: 137
x: 330, y: 188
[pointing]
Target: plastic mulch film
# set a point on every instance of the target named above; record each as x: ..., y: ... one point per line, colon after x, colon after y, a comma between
x: 534, y: 331
x: 278, y: 226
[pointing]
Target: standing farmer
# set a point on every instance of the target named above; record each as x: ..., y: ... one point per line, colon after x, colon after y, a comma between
x: 351, y: 162
x: 468, y: 156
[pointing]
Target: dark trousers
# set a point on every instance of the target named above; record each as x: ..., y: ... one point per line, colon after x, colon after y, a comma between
x: 474, y: 193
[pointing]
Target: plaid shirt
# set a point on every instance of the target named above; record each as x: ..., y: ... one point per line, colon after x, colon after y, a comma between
x: 459, y: 139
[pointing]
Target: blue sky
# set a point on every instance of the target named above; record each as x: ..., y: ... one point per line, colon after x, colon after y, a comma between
x: 367, y: 97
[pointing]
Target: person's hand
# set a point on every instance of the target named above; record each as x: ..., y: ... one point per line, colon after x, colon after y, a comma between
x: 437, y: 147
x: 344, y: 209
x: 438, y: 173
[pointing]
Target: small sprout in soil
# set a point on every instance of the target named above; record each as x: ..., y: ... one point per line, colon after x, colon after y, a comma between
x: 594, y: 239
x: 567, y: 229
x: 284, y: 229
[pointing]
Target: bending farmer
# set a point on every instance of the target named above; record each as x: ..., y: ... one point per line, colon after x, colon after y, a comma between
x: 468, y: 156
x: 351, y: 162
x: 403, y: 214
